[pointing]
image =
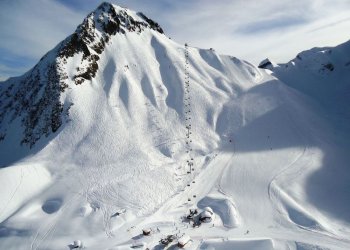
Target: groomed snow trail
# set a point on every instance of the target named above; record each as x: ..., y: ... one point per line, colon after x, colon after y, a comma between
x: 249, y: 180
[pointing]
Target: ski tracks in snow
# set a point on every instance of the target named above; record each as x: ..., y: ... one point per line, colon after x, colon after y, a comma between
x: 284, y: 203
x: 293, y: 169
x: 48, y: 228
x: 3, y: 209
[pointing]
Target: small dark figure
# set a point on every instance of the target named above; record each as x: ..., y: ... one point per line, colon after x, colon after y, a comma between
x: 164, y: 241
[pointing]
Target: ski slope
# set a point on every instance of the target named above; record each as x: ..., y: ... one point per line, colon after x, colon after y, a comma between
x: 267, y: 158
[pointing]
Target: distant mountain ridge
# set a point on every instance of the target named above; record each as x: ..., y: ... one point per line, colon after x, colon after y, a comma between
x: 322, y: 73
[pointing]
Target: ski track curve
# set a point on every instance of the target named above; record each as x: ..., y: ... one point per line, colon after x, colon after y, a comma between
x: 13, y: 194
x: 303, y: 137
x: 49, y: 227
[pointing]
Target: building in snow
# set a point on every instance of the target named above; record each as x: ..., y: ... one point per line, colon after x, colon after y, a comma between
x: 146, y: 231
x: 183, y: 241
x: 207, y: 215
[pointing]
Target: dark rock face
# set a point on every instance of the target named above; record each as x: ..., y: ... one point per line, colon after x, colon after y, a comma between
x: 152, y: 23
x: 91, y: 43
x: 35, y: 101
x: 35, y: 98
x: 329, y: 66
x: 265, y: 64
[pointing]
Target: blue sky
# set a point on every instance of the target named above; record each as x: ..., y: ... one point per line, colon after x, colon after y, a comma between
x: 248, y: 29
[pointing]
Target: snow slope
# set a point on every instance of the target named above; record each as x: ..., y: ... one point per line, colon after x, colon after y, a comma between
x: 266, y: 158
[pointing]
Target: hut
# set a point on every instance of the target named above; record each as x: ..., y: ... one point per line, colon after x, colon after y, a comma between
x: 207, y: 215
x: 266, y: 64
x: 183, y: 241
x: 164, y: 241
x: 77, y: 244
x: 167, y: 240
x: 146, y: 231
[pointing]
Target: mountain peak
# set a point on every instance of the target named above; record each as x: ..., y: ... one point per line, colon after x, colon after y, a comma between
x: 36, y: 96
x: 111, y: 19
x: 119, y: 11
x: 96, y: 30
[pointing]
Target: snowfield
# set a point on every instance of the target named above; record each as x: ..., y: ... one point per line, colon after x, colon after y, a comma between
x: 270, y: 155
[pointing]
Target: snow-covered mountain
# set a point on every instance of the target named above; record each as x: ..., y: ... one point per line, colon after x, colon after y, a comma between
x: 119, y: 128
x: 322, y: 73
x: 37, y: 97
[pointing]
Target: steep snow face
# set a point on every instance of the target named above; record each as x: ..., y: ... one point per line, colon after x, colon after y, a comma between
x: 322, y: 73
x: 98, y: 27
x: 36, y: 99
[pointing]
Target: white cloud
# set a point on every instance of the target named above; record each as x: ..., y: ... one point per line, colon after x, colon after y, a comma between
x: 248, y: 29
x: 32, y: 27
x: 253, y: 30
x: 3, y: 78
